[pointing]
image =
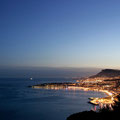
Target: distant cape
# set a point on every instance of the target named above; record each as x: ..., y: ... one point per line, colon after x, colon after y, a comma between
x: 107, y: 73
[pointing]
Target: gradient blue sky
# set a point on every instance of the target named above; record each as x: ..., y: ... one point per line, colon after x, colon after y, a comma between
x: 60, y: 33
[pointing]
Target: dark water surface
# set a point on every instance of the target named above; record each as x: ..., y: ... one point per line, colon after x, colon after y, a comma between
x: 19, y: 102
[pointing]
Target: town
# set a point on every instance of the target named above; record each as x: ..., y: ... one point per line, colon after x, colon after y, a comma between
x: 107, y: 81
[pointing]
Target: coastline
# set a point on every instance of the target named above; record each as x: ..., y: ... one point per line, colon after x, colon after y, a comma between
x: 106, y: 105
x: 109, y: 99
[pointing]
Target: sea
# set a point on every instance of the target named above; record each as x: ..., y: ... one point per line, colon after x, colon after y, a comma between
x: 20, y: 102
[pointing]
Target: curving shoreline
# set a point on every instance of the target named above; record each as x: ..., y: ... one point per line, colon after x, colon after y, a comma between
x: 109, y: 99
x: 107, y: 81
x: 108, y: 102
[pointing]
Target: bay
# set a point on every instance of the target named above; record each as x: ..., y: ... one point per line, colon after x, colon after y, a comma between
x: 20, y: 102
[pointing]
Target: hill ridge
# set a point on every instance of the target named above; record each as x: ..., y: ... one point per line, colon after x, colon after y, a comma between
x: 107, y: 73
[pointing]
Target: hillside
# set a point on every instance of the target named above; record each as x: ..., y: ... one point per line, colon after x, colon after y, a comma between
x: 107, y: 73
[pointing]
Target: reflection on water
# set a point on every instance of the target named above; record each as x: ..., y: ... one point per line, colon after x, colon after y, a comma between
x: 19, y: 102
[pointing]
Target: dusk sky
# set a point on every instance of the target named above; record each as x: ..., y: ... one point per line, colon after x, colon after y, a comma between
x: 60, y: 33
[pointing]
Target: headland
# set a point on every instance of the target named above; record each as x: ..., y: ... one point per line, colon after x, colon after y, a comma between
x: 107, y: 81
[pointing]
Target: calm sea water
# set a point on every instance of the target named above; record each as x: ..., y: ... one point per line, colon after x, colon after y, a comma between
x: 19, y: 102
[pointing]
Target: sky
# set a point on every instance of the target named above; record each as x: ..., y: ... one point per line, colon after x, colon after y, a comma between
x: 60, y: 33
